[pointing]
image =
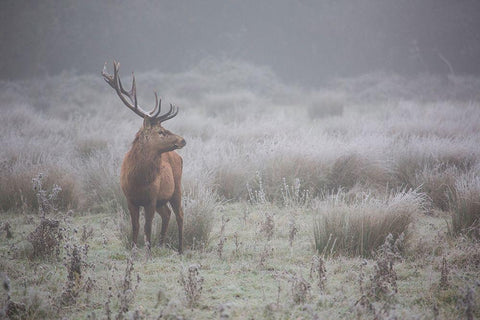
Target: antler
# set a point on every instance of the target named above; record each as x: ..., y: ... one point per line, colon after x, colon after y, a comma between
x: 115, y: 83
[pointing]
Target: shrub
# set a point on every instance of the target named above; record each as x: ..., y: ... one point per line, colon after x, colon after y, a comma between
x: 45, y: 199
x: 361, y: 226
x: 465, y: 206
x: 127, y: 289
x: 384, y: 280
x: 267, y: 226
x: 295, y: 196
x: 46, y: 238
x: 317, y: 267
x: 76, y: 264
x: 192, y: 283
x: 300, y: 287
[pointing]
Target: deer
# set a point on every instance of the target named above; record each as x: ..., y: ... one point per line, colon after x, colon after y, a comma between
x: 151, y: 171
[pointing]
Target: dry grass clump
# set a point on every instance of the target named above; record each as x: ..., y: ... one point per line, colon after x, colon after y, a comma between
x: 290, y: 170
x: 87, y: 147
x: 360, y: 227
x: 406, y: 166
x: 17, y: 192
x: 346, y: 172
x: 465, y: 206
x: 418, y: 157
x: 355, y: 169
x: 101, y: 183
x: 229, y: 182
x: 437, y: 183
x: 199, y: 206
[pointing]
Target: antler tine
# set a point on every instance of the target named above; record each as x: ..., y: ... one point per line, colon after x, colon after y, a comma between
x: 132, y: 94
x: 106, y: 76
x: 169, y: 115
x: 158, y: 107
x: 134, y: 90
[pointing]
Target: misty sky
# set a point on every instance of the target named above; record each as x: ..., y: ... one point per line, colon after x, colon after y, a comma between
x: 302, y: 41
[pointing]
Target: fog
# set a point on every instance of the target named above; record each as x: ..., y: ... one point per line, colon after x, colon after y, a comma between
x: 304, y: 42
x: 338, y: 139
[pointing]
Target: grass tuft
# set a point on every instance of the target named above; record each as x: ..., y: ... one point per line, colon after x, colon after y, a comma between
x: 360, y: 227
x: 199, y: 208
x: 465, y: 207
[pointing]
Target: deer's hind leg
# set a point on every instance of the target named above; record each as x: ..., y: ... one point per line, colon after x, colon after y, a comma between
x: 176, y: 203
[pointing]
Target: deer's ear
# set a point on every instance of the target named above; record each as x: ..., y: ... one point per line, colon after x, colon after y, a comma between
x: 147, y: 122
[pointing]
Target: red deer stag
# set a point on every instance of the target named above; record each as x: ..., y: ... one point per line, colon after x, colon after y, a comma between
x: 151, y: 171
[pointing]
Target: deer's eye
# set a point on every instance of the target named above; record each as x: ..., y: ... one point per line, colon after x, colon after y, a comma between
x: 161, y: 133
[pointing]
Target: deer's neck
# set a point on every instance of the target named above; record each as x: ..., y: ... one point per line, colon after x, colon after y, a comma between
x: 145, y: 164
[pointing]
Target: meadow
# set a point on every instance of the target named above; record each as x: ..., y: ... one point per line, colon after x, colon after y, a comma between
x: 360, y: 199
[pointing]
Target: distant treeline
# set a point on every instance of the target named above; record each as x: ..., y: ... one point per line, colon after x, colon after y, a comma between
x: 303, y: 41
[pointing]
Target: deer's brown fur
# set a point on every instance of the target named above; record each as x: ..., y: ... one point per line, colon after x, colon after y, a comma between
x: 151, y: 171
x: 151, y: 177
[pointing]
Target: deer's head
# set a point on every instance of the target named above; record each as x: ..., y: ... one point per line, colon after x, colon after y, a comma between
x: 152, y: 134
x: 159, y: 139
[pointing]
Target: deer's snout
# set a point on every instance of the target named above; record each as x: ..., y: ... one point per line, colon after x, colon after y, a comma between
x: 181, y: 143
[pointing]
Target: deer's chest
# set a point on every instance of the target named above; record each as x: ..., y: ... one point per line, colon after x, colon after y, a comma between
x: 149, y: 187
x: 165, y: 184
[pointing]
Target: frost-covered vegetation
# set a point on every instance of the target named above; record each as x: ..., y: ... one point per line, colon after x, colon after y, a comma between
x: 380, y: 168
